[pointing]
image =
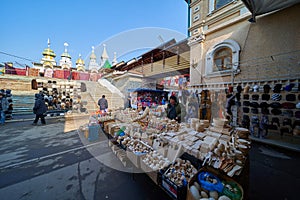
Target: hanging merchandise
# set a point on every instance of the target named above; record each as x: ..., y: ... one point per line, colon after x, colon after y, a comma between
x: 239, y: 89
x: 265, y: 97
x: 246, y: 109
x: 264, y: 105
x: 287, y: 122
x: 246, y: 89
x: 267, y: 88
x: 277, y: 88
x: 297, y: 114
x: 254, y: 105
x: 288, y: 105
x: 275, y: 105
x: 255, y: 88
x: 255, y: 97
x: 265, y: 111
x: 254, y: 110
x: 246, y: 121
x: 180, y: 81
x: 246, y: 103
x: 287, y: 113
x: 291, y: 97
x: 289, y: 87
x: 276, y: 112
x: 230, y: 89
x: 172, y: 83
x: 276, y: 97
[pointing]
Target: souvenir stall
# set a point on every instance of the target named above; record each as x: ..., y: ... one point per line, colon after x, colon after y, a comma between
x: 271, y: 108
x: 194, y: 160
x: 146, y: 97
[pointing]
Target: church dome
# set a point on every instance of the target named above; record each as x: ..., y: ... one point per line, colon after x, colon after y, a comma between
x: 49, y: 52
x: 79, y: 61
x: 93, y: 56
x: 66, y: 54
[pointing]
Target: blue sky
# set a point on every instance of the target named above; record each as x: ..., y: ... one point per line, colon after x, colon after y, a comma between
x: 27, y: 24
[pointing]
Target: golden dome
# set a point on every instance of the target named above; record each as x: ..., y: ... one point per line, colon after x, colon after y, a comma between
x: 66, y: 54
x: 79, y: 61
x: 49, y: 52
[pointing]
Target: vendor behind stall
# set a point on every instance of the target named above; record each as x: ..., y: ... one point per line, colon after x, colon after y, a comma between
x: 173, y: 109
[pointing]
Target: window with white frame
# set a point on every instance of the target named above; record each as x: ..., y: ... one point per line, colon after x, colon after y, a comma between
x: 216, y: 4
x: 222, y: 58
x: 196, y: 18
x: 197, y: 8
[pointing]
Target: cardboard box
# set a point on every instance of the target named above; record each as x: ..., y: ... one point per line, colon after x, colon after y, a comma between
x: 134, y: 158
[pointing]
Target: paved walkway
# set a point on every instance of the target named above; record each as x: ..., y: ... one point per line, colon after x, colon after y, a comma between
x: 56, y: 162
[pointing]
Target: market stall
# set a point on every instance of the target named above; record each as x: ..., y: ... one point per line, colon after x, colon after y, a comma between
x: 191, y: 160
x: 147, y: 97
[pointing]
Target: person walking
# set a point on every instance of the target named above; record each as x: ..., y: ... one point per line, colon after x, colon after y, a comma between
x: 174, y: 110
x: 102, y: 103
x: 39, y: 109
x: 3, y: 107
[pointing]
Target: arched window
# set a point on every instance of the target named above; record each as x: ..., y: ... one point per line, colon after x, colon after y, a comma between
x: 222, y: 59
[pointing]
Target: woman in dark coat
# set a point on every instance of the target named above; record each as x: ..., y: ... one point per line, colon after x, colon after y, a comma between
x: 39, y: 109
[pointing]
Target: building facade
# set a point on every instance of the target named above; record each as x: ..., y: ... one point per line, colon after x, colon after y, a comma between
x: 227, y: 48
x: 257, y: 59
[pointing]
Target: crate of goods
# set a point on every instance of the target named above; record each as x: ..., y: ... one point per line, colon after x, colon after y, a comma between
x: 93, y: 132
x: 113, y: 128
x: 107, y: 126
x: 210, y: 183
x: 136, y: 150
x: 174, y: 180
x: 152, y: 163
x: 135, y: 157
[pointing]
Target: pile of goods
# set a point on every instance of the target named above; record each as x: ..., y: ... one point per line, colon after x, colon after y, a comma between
x: 105, y: 118
x: 198, y: 125
x: 143, y: 116
x: 155, y: 161
x: 221, y: 126
x: 180, y: 172
x: 134, y: 145
x: 209, y: 186
x: 230, y: 156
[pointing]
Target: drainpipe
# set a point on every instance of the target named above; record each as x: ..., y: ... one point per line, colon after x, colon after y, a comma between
x: 189, y: 18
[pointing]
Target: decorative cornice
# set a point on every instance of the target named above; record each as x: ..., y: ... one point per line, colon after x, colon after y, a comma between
x: 195, y: 39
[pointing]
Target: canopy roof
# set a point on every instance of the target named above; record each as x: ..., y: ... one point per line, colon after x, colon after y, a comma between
x: 259, y: 7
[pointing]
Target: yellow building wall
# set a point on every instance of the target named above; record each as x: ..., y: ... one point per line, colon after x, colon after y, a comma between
x: 272, y: 35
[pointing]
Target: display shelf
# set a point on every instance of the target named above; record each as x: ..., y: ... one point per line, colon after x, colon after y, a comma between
x: 291, y: 97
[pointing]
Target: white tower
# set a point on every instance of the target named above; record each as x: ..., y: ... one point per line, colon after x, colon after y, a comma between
x: 93, y: 66
x: 104, y: 56
x: 114, y: 62
x: 65, y: 61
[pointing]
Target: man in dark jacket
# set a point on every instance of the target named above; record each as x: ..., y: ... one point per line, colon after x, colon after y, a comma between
x: 39, y: 109
x: 3, y: 107
x: 103, y: 103
x: 173, y: 109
